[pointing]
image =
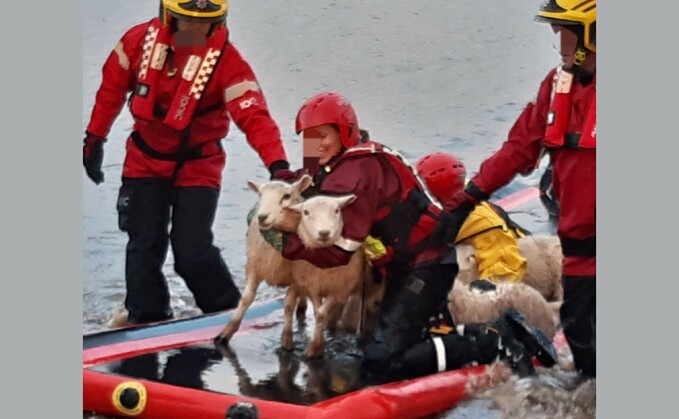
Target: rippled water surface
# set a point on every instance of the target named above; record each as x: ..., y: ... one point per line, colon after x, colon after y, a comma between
x: 423, y: 76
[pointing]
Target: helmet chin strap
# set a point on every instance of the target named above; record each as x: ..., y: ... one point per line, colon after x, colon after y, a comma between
x: 584, y: 75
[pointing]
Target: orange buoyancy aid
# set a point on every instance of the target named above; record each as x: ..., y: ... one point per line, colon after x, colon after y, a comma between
x: 404, y: 169
x: 559, y: 115
x: 402, y: 226
x: 195, y: 75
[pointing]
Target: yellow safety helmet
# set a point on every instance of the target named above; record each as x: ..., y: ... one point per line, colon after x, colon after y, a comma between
x: 572, y: 12
x: 213, y: 11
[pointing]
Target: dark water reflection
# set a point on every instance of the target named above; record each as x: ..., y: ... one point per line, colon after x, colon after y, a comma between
x: 288, y: 378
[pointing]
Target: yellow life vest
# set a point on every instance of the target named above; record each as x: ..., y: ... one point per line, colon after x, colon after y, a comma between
x: 497, y: 251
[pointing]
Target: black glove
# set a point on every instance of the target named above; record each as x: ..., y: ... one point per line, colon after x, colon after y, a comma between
x: 280, y: 170
x: 93, y: 156
x: 457, y: 210
x: 450, y: 223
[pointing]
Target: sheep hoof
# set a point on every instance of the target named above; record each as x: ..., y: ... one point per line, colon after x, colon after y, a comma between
x: 220, y: 340
x: 310, y: 355
x: 314, y: 351
x: 287, y: 343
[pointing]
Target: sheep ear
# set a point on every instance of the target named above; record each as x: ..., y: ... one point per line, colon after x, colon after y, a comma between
x: 303, y: 183
x: 252, y: 185
x: 295, y: 207
x: 346, y: 200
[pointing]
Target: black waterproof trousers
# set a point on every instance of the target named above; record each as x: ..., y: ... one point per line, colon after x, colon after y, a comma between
x: 147, y: 208
x: 578, y: 319
x: 400, y: 347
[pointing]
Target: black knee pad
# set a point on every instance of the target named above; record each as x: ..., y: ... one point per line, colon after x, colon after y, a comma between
x: 124, y: 206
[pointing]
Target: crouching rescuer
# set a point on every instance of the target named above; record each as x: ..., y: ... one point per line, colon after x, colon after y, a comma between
x: 393, y: 205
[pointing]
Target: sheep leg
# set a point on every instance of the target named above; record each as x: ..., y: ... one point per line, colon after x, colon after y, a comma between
x: 301, y: 307
x: 350, y: 315
x: 334, y: 318
x: 288, y: 309
x: 322, y: 308
x: 248, y: 296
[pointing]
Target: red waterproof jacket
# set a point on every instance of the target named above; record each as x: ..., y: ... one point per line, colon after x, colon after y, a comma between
x: 389, y: 206
x: 231, y: 93
x: 574, y: 175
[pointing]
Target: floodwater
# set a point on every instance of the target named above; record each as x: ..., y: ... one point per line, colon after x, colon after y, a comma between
x: 423, y: 76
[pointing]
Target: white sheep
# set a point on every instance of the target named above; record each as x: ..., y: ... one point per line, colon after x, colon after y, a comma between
x: 543, y: 268
x: 538, y: 297
x: 264, y: 262
x: 468, y: 305
x: 328, y: 288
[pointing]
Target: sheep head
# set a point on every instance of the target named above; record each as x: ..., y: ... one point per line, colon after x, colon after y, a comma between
x: 275, y: 197
x: 321, y: 223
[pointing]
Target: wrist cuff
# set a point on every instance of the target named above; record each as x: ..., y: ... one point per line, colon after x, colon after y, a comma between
x: 279, y: 165
x: 475, y: 192
x: 93, y: 138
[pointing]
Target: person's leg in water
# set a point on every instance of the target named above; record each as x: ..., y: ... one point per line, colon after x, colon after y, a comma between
x: 197, y: 260
x: 400, y: 349
x: 509, y: 338
x: 144, y: 213
x: 578, y: 319
x: 411, y: 298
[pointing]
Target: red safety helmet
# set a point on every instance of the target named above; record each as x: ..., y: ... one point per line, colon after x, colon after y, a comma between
x: 329, y: 108
x: 443, y: 173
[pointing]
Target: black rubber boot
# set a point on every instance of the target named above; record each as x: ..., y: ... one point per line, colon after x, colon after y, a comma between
x: 514, y: 341
x: 512, y: 326
x: 492, y: 342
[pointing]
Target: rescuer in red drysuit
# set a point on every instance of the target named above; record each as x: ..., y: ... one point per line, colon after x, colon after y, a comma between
x: 562, y: 122
x: 188, y: 81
